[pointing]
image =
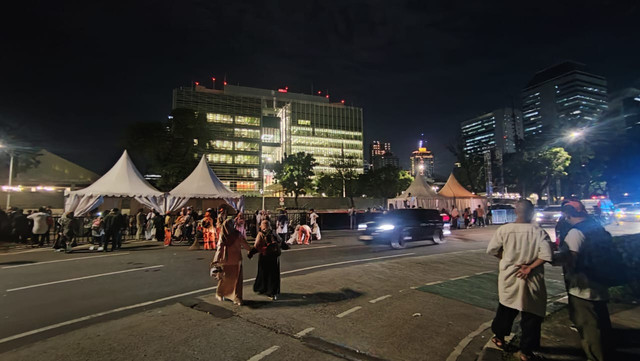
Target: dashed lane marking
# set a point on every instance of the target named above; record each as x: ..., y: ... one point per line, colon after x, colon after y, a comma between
x: 309, y: 248
x: 84, y: 278
x: 379, y: 299
x: 65, y: 260
x: 347, y: 312
x: 433, y: 283
x: 303, y: 332
x: 264, y: 353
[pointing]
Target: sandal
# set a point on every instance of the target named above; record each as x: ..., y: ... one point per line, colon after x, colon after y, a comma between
x: 499, y: 342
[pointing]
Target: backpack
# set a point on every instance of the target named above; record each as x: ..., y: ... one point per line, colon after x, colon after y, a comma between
x: 599, y: 259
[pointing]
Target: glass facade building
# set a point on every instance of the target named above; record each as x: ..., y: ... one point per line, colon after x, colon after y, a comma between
x: 563, y: 96
x: 252, y: 127
x: 498, y: 129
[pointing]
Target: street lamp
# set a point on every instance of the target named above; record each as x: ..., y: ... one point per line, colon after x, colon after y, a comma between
x: 263, y: 190
x: 10, y: 176
x: 575, y: 135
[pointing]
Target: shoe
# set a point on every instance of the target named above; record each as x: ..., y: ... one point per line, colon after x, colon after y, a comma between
x: 274, y: 298
x: 100, y: 248
x: 91, y: 248
x: 221, y: 299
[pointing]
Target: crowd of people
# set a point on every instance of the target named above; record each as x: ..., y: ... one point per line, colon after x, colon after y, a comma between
x: 468, y: 218
x: 32, y: 227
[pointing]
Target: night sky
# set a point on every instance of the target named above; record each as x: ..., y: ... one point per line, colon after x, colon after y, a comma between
x: 74, y: 75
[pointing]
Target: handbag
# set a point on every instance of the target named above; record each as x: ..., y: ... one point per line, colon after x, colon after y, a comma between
x: 273, y: 247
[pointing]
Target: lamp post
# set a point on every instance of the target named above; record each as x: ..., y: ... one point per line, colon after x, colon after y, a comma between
x: 10, y: 176
x: 263, y: 190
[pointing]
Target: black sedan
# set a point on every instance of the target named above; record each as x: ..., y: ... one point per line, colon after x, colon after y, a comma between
x: 398, y: 227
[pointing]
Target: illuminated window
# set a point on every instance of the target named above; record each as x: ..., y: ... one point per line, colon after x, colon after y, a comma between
x: 221, y: 144
x: 220, y: 158
x: 247, y: 159
x: 246, y: 133
x: 247, y: 146
x: 301, y: 131
x: 304, y: 122
x: 247, y: 186
x: 219, y: 118
x: 270, y: 135
x: 247, y: 120
x: 248, y: 172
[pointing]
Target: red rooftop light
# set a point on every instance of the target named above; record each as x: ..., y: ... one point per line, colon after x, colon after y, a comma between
x: 319, y: 91
x: 327, y: 96
x: 282, y: 90
x: 342, y: 101
x: 225, y: 82
x: 197, y: 83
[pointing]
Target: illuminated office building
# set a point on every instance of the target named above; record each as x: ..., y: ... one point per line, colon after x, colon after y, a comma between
x: 499, y: 129
x: 422, y: 161
x: 564, y: 96
x: 252, y: 127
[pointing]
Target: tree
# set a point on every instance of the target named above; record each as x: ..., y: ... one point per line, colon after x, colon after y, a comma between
x: 470, y: 168
x: 294, y: 173
x: 171, y: 149
x: 24, y: 155
x: 386, y: 182
x: 328, y: 184
x: 347, y: 174
x: 535, y: 169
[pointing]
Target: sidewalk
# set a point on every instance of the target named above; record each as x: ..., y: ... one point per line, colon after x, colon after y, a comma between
x: 559, y: 342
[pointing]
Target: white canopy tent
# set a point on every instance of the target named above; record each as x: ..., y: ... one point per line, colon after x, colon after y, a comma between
x: 122, y: 180
x: 419, y: 194
x: 456, y: 194
x: 202, y: 183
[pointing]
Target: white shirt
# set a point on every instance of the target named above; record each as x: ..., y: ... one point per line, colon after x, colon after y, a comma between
x: 39, y: 222
x: 521, y: 243
x: 313, y: 217
x: 578, y: 283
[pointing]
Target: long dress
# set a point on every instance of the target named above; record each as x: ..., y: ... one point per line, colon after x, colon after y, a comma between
x: 229, y: 255
x: 268, y: 279
x: 208, y: 233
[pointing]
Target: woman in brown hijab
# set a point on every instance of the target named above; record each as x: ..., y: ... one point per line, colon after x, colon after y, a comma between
x: 229, y: 257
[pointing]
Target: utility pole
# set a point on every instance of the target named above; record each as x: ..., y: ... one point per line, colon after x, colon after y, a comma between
x: 10, y: 179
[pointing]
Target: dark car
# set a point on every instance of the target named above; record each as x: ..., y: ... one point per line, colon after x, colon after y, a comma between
x: 404, y: 225
x: 549, y: 215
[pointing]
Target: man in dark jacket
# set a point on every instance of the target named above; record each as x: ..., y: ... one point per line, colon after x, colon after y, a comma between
x: 112, y: 225
x: 158, y: 224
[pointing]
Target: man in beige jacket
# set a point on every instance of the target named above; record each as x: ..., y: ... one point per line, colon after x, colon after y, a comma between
x: 523, y: 248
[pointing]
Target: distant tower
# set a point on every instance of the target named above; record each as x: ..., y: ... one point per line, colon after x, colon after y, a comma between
x: 422, y: 160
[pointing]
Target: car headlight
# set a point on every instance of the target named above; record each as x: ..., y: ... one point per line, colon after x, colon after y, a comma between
x: 557, y: 215
x: 539, y: 214
x: 386, y: 227
x: 362, y: 227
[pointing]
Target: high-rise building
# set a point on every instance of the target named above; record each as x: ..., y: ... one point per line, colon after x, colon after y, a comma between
x: 422, y: 161
x: 252, y: 127
x: 378, y: 148
x: 624, y: 111
x: 563, y: 96
x: 386, y: 159
x: 499, y: 129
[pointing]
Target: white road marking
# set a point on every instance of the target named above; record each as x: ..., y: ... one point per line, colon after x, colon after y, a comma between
x: 164, y: 299
x: 64, y: 260
x: 84, y: 278
x: 458, y: 278
x: 433, y: 283
x: 264, y: 353
x: 457, y: 351
x: 347, y: 312
x: 303, y: 332
x: 309, y: 248
x: 380, y: 299
x: 485, y: 272
x: 29, y: 251
x: 344, y: 262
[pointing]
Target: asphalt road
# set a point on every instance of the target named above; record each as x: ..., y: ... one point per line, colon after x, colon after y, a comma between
x: 45, y: 293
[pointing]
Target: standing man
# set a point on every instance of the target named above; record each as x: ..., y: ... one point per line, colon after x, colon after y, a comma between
x: 68, y: 231
x: 40, y: 227
x: 480, y: 216
x: 313, y: 223
x: 587, y: 298
x: 352, y: 217
x: 112, y: 225
x: 522, y: 248
x: 454, y: 216
x: 140, y: 218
